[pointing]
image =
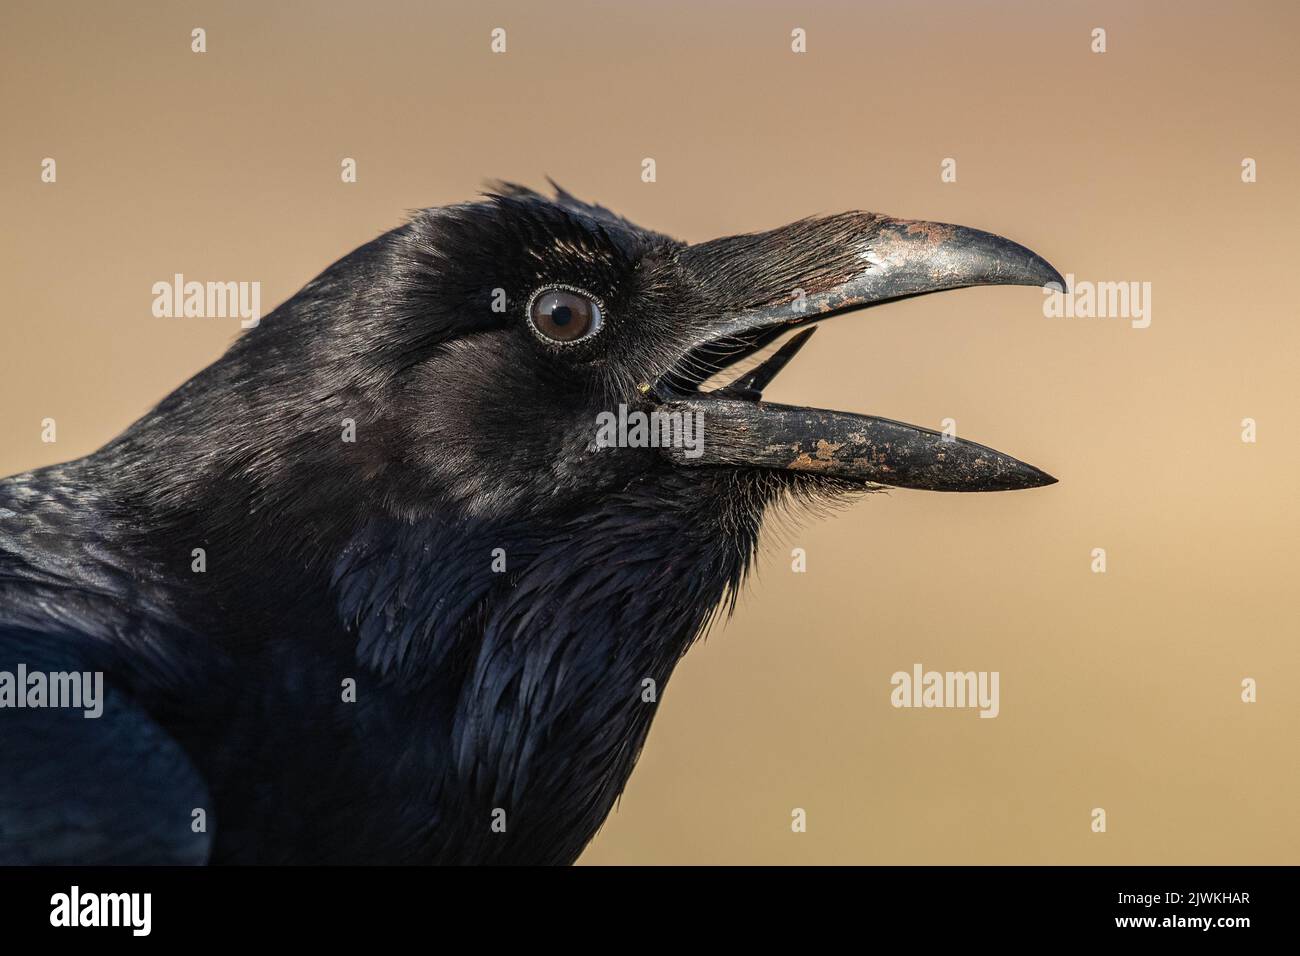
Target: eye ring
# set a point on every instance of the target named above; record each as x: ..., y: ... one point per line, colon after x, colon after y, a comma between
x: 596, y: 314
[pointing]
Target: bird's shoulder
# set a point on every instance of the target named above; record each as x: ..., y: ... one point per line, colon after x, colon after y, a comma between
x: 65, y: 565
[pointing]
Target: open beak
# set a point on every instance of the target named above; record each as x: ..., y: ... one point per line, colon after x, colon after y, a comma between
x: 899, y: 258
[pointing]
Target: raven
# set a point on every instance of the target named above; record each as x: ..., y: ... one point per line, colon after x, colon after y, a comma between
x: 368, y: 589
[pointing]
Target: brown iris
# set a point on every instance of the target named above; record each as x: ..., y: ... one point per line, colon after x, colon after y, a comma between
x: 564, y: 315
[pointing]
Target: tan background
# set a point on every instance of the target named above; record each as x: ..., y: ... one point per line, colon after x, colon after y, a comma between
x: 1119, y: 690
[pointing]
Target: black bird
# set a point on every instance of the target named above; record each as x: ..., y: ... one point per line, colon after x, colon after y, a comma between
x: 369, y: 588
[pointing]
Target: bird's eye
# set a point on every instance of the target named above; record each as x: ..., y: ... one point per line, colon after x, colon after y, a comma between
x: 564, y: 316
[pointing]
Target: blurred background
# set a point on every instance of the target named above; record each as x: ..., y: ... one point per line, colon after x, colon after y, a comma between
x: 1119, y: 690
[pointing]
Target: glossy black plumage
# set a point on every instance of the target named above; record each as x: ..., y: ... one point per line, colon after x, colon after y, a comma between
x: 372, y: 561
x: 482, y: 694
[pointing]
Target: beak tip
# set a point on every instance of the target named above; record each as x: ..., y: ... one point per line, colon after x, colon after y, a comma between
x: 1052, y: 278
x: 1037, y: 478
x: 1034, y: 270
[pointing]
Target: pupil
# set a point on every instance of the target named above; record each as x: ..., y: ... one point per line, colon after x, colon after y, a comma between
x: 562, y: 315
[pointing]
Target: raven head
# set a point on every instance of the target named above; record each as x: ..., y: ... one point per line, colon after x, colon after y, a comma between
x: 558, y: 323
x: 359, y: 466
x: 521, y: 360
